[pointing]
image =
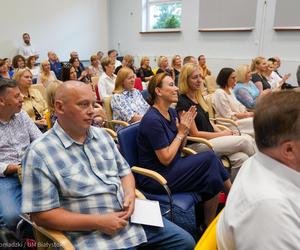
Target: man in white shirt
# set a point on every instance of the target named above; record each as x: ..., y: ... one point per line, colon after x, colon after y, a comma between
x: 27, y: 49
x: 263, y: 206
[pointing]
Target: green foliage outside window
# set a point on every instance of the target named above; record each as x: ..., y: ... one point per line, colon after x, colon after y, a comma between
x: 168, y: 17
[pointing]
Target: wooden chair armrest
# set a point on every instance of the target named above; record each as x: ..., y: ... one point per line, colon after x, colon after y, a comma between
x: 139, y: 194
x: 119, y: 122
x: 188, y: 151
x: 227, y: 120
x: 150, y: 173
x: 56, y: 236
x: 222, y: 127
x: 200, y: 140
x: 112, y: 133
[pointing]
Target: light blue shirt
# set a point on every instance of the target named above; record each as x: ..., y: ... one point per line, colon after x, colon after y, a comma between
x: 16, y: 135
x: 246, y: 93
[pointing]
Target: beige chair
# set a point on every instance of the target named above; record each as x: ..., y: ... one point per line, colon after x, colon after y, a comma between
x: 111, y: 122
x: 49, y: 239
x: 40, y: 87
x: 211, y: 84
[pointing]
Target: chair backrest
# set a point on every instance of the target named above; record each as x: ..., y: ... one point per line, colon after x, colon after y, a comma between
x: 98, y: 94
x: 138, y: 84
x: 211, y: 84
x: 128, y: 145
x: 209, y: 238
x: 40, y: 87
x: 209, y: 102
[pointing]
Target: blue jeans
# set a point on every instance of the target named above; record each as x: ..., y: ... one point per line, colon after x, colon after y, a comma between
x: 169, y: 237
x: 10, y: 201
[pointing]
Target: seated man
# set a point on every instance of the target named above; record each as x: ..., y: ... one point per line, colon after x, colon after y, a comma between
x: 75, y: 180
x: 55, y: 64
x: 263, y: 207
x: 17, y: 131
x: 204, y: 71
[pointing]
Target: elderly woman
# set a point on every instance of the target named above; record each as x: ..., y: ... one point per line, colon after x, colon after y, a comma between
x: 127, y: 102
x: 95, y: 69
x: 46, y: 75
x: 237, y: 148
x: 159, y: 149
x: 163, y: 66
x: 106, y: 83
x: 227, y: 106
x: 145, y: 72
x: 34, y: 103
x: 128, y: 61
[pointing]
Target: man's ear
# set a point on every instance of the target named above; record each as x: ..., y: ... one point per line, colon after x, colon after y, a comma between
x: 59, y: 107
x: 288, y: 150
x: 2, y: 101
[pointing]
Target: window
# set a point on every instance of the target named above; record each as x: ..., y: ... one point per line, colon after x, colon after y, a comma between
x: 161, y: 15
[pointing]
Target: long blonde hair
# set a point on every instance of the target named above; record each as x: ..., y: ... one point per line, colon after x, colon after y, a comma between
x: 256, y: 61
x: 121, y: 76
x: 44, y: 74
x: 186, y: 71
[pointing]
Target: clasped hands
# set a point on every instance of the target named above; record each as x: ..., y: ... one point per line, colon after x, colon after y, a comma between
x: 186, y: 120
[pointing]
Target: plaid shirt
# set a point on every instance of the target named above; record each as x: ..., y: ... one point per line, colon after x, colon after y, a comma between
x: 83, y: 178
x: 16, y: 135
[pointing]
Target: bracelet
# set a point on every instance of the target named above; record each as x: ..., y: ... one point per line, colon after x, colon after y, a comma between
x: 179, y: 138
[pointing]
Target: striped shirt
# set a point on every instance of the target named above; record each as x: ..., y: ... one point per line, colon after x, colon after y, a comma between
x: 59, y: 172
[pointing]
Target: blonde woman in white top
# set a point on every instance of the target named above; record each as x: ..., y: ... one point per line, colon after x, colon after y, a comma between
x: 227, y: 106
x: 46, y: 75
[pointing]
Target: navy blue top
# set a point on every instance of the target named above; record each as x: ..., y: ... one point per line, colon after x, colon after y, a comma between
x: 156, y: 132
x: 56, y: 68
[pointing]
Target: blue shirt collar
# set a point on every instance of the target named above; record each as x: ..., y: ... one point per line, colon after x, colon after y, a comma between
x: 67, y: 141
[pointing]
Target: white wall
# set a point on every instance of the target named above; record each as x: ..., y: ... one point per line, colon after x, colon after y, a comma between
x: 58, y: 25
x: 221, y: 48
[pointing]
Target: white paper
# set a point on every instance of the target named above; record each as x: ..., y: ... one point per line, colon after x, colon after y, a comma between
x: 147, y: 212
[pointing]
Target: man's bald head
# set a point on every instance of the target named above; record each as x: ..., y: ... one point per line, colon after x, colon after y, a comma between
x: 65, y: 90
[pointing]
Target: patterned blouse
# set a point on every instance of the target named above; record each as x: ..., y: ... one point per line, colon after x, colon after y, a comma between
x: 127, y: 104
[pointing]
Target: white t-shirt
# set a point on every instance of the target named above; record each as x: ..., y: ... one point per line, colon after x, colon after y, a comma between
x: 263, y: 208
x: 27, y: 51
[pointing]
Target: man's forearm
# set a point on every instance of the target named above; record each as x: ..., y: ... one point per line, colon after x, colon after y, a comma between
x: 128, y: 184
x: 64, y: 220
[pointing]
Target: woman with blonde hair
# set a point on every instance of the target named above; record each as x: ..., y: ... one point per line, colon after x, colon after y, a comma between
x: 259, y: 68
x: 127, y: 102
x: 176, y: 66
x: 46, y: 75
x: 34, y: 103
x: 145, y: 72
x: 245, y: 90
x: 237, y: 148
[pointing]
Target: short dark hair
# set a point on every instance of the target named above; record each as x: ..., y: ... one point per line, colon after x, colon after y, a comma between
x: 272, y: 59
x: 223, y: 76
x: 200, y: 57
x: 24, y: 34
x: 277, y: 118
x: 7, y: 83
x: 111, y: 51
x: 187, y: 59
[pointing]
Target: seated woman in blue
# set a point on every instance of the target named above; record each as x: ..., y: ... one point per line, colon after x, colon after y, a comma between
x: 245, y: 90
x: 162, y: 135
x: 127, y: 103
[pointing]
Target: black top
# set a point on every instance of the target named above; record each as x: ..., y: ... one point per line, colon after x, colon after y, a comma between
x: 202, y: 118
x: 142, y: 73
x: 260, y: 78
x: 160, y: 70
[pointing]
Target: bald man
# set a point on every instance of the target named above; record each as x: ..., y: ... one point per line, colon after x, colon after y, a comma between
x: 76, y: 180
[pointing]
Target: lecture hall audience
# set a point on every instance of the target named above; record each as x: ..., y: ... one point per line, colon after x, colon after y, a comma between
x: 145, y: 72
